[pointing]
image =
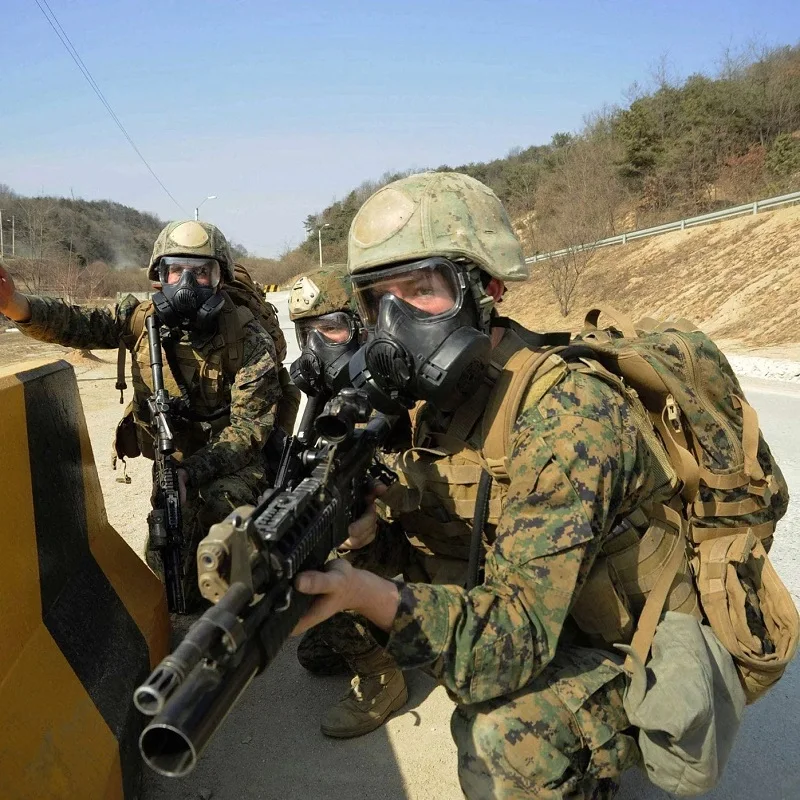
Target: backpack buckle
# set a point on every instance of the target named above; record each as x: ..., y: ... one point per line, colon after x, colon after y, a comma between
x: 673, y: 413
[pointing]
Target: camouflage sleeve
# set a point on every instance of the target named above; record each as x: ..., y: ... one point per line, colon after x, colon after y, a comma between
x: 575, y: 459
x: 89, y: 328
x: 255, y: 392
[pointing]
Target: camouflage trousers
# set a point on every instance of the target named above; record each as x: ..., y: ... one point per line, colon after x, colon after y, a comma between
x: 204, y: 507
x: 565, y: 735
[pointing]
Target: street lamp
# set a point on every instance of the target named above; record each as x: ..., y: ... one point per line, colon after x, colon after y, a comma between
x: 319, y: 236
x: 197, y: 208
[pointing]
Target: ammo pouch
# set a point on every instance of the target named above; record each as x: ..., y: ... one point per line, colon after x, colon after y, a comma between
x: 126, y: 441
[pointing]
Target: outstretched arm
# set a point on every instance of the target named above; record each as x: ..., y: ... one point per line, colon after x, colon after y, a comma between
x: 52, y: 320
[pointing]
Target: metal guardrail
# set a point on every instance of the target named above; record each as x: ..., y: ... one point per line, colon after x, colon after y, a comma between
x: 682, y: 224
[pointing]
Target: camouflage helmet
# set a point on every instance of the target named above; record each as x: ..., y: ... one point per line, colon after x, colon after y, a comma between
x: 191, y: 238
x: 436, y: 214
x: 322, y: 291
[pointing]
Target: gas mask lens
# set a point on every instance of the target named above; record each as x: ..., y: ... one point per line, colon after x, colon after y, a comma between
x: 433, y: 287
x: 205, y: 271
x: 336, y: 328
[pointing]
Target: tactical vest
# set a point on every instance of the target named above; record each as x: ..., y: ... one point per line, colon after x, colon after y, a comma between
x: 440, y: 473
x: 208, y: 366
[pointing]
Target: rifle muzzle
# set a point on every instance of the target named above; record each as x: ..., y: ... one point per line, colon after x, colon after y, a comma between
x: 175, y: 739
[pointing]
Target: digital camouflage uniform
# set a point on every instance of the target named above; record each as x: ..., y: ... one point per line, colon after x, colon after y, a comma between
x: 223, y: 459
x: 539, y: 710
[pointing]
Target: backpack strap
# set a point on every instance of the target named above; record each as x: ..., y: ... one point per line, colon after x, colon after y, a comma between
x: 529, y: 374
x: 121, y: 384
x: 135, y: 327
x: 231, y: 335
x: 622, y: 321
x: 651, y: 613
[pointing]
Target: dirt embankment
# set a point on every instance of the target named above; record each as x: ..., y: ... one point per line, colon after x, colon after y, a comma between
x: 739, y: 280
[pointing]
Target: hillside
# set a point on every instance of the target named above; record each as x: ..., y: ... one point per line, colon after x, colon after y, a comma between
x: 739, y: 280
x: 678, y: 148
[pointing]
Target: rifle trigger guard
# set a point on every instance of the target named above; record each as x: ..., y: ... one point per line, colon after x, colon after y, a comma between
x: 286, y: 602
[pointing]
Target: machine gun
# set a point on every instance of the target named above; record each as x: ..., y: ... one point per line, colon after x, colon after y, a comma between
x: 164, y: 521
x: 247, y: 565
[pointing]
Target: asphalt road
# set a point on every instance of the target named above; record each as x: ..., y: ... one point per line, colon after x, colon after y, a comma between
x: 270, y: 747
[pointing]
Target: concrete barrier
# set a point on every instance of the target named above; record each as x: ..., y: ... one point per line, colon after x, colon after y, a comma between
x: 82, y: 618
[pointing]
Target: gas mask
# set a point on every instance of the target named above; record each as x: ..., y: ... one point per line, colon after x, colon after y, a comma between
x: 327, y: 344
x: 189, y: 296
x: 428, y: 339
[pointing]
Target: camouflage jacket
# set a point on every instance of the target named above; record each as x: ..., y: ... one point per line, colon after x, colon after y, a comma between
x: 252, y: 392
x: 577, y: 462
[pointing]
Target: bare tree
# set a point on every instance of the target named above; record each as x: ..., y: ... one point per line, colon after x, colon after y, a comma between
x: 579, y: 200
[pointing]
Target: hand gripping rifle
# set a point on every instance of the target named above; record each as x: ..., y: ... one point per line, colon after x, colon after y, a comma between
x: 246, y: 566
x: 164, y: 521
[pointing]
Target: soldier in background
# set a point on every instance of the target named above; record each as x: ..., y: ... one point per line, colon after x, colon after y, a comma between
x: 220, y: 361
x: 328, y: 333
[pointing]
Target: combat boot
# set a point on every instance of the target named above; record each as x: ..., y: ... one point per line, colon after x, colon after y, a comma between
x: 376, y: 692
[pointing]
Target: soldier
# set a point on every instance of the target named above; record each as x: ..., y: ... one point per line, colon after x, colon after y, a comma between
x: 539, y: 708
x: 327, y: 327
x: 223, y: 361
x: 328, y: 333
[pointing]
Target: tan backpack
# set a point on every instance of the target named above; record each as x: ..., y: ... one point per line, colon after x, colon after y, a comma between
x: 244, y: 291
x: 704, y: 549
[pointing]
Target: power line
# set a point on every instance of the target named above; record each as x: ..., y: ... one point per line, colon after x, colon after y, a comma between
x: 70, y: 48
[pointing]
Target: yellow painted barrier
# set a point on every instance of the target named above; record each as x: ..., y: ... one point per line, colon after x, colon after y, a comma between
x: 82, y: 618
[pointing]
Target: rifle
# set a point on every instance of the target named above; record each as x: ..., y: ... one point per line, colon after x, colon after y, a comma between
x: 165, y: 521
x: 291, y: 467
x: 246, y: 565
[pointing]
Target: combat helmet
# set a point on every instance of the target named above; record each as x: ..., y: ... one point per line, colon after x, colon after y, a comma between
x: 191, y: 238
x: 322, y: 291
x: 429, y: 214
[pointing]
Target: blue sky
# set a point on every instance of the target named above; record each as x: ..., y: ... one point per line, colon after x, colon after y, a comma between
x: 279, y: 107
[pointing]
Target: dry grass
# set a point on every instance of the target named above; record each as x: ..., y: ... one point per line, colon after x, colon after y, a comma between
x: 738, y: 279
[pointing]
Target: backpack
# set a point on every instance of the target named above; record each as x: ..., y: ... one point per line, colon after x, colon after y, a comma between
x: 244, y: 291
x: 705, y: 548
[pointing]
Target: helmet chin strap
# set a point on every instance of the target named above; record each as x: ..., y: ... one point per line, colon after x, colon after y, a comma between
x: 484, y: 302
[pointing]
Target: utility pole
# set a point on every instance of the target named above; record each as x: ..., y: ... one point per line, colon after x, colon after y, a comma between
x: 2, y: 250
x: 319, y: 236
x: 13, y: 236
